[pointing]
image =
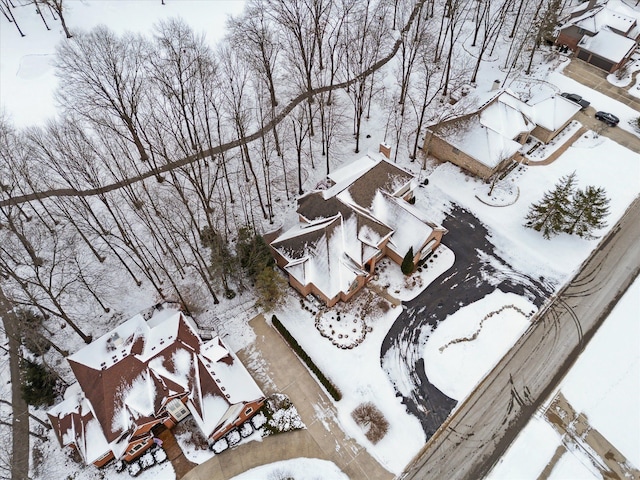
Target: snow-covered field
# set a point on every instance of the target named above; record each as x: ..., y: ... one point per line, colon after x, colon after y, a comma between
x: 27, y: 76
x: 27, y: 82
x: 604, y: 384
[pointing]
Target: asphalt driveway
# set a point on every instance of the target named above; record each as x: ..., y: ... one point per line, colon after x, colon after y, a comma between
x: 470, y: 279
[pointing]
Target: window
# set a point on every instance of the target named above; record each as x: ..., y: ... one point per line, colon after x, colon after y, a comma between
x: 135, y: 448
x: 177, y: 409
x: 455, y: 150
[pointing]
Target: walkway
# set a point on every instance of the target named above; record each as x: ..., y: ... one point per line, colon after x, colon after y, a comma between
x: 276, y: 369
x: 180, y: 463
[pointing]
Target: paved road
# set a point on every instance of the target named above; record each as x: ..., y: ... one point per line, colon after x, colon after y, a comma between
x: 481, y: 429
x: 20, y: 412
x: 477, y: 271
x: 595, y: 78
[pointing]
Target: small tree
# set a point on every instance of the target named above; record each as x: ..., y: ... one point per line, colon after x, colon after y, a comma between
x: 38, y: 384
x: 550, y: 215
x: 271, y: 288
x: 636, y: 124
x: 588, y: 211
x: 408, y: 266
x: 371, y: 420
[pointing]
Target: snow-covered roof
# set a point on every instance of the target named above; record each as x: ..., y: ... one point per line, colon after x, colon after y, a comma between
x: 410, y: 229
x: 505, y: 117
x: 613, y: 16
x: 488, y: 135
x: 127, y: 376
x: 480, y: 142
x: 608, y: 44
x: 347, y: 226
x: 553, y: 112
x: 324, y: 254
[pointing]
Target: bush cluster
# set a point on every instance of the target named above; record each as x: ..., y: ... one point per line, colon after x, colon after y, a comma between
x: 326, y: 383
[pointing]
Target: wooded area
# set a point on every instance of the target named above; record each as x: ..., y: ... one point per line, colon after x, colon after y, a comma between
x: 166, y: 148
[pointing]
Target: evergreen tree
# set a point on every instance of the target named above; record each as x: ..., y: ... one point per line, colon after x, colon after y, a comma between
x: 588, y: 210
x: 551, y: 214
x: 38, y: 384
x: 407, y: 266
x: 271, y: 288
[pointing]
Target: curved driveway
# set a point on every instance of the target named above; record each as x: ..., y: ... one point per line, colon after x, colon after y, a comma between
x: 476, y: 272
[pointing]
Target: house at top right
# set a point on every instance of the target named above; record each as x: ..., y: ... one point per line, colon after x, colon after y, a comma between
x: 604, y: 34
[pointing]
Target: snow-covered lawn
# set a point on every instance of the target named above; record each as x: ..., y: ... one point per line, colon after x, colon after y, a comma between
x: 298, y: 468
x: 597, y: 161
x: 604, y: 384
x: 466, y: 344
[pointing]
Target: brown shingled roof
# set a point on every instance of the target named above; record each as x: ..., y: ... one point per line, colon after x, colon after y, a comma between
x: 383, y: 176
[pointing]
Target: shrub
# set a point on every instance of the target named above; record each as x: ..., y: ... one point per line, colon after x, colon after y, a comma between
x: 636, y: 124
x: 371, y: 420
x: 407, y: 266
x: 326, y: 383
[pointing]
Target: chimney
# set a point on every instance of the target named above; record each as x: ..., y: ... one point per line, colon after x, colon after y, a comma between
x: 495, y: 86
x: 385, y: 150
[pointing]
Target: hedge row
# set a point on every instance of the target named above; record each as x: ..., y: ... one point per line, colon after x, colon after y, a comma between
x: 330, y: 387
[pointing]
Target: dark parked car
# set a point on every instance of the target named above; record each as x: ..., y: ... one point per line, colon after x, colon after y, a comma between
x: 608, y: 118
x: 575, y: 98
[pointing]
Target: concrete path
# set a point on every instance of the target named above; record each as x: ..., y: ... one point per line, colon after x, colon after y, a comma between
x: 180, y: 463
x: 595, y: 78
x: 277, y: 369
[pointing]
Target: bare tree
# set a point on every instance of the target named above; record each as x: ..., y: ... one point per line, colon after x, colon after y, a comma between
x: 102, y: 81
x: 5, y: 7
x: 58, y: 7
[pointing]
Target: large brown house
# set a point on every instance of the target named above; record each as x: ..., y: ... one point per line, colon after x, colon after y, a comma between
x: 347, y: 228
x: 144, y: 374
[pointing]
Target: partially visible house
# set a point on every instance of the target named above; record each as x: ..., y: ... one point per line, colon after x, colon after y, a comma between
x: 347, y: 228
x: 146, y: 374
x: 484, y: 141
x: 606, y: 50
x: 487, y: 140
x: 602, y: 34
